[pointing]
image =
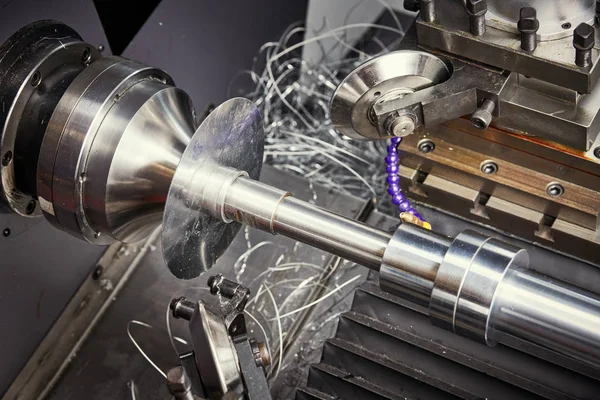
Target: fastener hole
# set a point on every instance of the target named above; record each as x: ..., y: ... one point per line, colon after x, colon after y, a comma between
x: 7, y: 158
x: 86, y: 57
x: 30, y: 207
x: 6, y: 232
x: 36, y: 79
x: 566, y: 25
x: 376, y: 94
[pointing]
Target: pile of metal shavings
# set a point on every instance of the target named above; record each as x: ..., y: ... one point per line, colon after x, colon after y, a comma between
x: 293, y: 97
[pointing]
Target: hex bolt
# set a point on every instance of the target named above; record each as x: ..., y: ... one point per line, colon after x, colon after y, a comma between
x: 528, y: 25
x: 426, y: 146
x: 489, y: 167
x: 555, y: 189
x: 402, y: 126
x: 482, y: 117
x: 584, y: 39
x: 179, y: 384
x: 476, y: 10
x: 427, y: 8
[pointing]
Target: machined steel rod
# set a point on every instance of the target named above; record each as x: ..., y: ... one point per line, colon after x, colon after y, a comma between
x: 473, y: 285
x: 276, y: 211
x: 550, y: 313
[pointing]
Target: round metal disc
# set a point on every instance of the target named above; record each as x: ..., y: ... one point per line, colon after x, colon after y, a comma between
x: 381, y: 79
x: 231, y: 136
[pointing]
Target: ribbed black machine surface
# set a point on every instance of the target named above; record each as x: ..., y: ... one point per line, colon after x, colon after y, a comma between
x: 385, y: 348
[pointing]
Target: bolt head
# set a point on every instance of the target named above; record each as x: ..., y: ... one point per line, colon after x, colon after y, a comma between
x: 177, y: 381
x: 528, y: 21
x: 584, y: 37
x: 481, y: 119
x: 476, y: 7
x: 426, y: 146
x: 489, y: 167
x: 402, y: 126
x: 555, y: 189
x: 597, y: 152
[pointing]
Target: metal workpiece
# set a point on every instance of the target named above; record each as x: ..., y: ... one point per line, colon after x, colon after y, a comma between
x: 476, y: 9
x: 410, y: 263
x: 37, y: 65
x: 458, y: 280
x: 540, y: 310
x: 465, y: 286
x: 584, y: 39
x: 88, y: 181
x: 480, y: 288
x: 528, y: 26
x: 482, y: 117
x: 280, y: 213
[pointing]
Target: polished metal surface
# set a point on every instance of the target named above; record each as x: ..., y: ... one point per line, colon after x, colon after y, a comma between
x: 541, y: 310
x: 263, y: 207
x: 143, y: 137
x: 480, y: 288
x: 410, y: 263
x: 465, y: 288
x: 382, y: 79
x: 558, y: 18
x: 36, y: 62
x: 77, y: 136
x: 192, y: 238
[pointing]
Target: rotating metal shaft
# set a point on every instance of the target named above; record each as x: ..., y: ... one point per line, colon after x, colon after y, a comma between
x: 476, y: 286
